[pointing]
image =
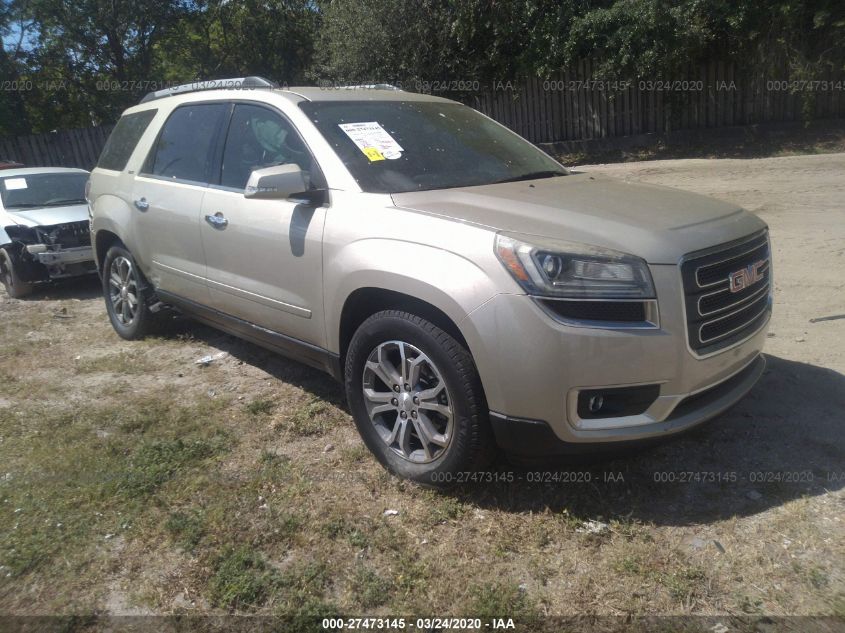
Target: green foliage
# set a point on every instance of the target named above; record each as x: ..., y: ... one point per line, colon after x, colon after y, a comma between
x: 155, y: 463
x: 501, y: 599
x: 260, y: 406
x: 241, y: 580
x: 186, y: 529
x: 271, y: 38
x: 370, y: 589
x: 82, y: 63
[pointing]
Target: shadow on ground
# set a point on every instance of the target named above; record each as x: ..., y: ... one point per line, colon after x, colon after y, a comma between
x: 785, y: 440
x: 85, y: 287
x: 281, y: 368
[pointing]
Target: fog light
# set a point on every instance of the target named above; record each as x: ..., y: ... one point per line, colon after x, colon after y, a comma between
x: 615, y: 402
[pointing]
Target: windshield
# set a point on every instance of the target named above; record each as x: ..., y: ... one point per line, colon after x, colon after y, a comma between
x: 398, y: 146
x: 43, y: 190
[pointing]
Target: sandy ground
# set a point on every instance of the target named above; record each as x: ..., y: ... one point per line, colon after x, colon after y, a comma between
x: 802, y: 198
x: 770, y: 542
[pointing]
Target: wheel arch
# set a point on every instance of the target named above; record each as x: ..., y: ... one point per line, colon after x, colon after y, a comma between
x: 366, y: 301
x: 103, y: 241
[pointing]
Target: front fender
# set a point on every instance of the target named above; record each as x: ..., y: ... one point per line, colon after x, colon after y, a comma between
x: 446, y: 280
x: 454, y: 284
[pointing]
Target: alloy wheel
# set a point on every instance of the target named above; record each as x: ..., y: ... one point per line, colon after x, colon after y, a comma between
x: 123, y: 289
x: 408, y: 401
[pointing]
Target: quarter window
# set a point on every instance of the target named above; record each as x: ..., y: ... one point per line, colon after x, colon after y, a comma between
x: 186, y: 145
x: 257, y: 138
x: 123, y: 139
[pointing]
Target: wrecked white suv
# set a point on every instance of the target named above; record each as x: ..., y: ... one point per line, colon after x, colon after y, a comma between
x: 44, y: 232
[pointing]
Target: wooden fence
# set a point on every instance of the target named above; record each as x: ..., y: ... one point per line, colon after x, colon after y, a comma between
x: 575, y: 105
x: 66, y: 148
x: 571, y: 105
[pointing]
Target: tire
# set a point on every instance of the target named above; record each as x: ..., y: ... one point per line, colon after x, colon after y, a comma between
x: 439, y: 398
x: 15, y: 286
x: 127, y: 295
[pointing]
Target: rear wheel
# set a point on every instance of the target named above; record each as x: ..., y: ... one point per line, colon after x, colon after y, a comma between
x: 416, y: 398
x: 15, y: 286
x: 127, y: 294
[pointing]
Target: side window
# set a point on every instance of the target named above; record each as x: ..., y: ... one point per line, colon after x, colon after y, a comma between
x: 124, y: 138
x: 186, y: 143
x: 258, y: 138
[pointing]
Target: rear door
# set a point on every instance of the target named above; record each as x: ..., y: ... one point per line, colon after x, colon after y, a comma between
x: 264, y: 257
x: 168, y: 196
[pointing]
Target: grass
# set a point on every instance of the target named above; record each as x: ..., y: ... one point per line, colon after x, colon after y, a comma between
x: 114, y: 477
x: 683, y: 582
x: 124, y: 363
x: 241, y: 580
x: 502, y: 600
x: 260, y: 406
x: 311, y: 418
x: 187, y: 529
x: 369, y: 588
x: 71, y: 491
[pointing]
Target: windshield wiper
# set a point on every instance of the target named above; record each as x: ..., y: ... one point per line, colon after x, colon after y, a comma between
x: 534, y: 175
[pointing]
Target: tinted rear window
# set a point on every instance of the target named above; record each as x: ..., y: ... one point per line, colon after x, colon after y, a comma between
x: 124, y: 138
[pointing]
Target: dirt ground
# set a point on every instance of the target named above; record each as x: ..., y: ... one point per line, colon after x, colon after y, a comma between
x: 134, y: 481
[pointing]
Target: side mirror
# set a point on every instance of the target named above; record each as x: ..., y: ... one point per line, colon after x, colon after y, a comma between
x: 276, y: 182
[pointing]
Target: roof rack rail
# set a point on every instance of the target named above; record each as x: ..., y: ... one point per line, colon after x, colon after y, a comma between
x: 370, y: 87
x: 236, y: 83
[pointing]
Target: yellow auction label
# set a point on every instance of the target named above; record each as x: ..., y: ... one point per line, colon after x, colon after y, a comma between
x: 372, y: 153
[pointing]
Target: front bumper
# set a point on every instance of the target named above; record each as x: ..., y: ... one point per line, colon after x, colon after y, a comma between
x: 65, y: 256
x: 533, y: 368
x: 535, y: 438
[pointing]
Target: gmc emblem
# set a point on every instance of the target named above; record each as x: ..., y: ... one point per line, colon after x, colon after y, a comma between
x: 745, y: 277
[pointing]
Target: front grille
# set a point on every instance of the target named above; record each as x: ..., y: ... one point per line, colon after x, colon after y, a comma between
x: 721, y: 312
x: 68, y: 235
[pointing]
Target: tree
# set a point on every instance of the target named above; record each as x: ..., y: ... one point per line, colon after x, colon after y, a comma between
x: 219, y: 38
x: 14, y: 26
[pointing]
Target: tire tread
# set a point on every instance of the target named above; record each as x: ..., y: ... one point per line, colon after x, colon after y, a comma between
x: 482, y: 447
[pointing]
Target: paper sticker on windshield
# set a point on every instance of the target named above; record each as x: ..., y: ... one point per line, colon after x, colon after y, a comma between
x: 15, y: 183
x: 372, y: 139
x: 373, y: 154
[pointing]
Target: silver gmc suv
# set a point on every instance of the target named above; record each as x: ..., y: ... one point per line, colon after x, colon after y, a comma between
x: 468, y: 290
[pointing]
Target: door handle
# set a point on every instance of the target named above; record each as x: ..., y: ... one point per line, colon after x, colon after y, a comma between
x: 217, y: 220
x: 142, y: 204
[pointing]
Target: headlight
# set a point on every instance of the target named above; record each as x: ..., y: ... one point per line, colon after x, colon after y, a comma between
x: 553, y: 268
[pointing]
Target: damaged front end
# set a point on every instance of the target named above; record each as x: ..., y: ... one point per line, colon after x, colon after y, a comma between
x: 42, y: 253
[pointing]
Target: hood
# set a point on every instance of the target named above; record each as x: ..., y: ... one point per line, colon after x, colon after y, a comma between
x: 47, y: 216
x: 656, y: 223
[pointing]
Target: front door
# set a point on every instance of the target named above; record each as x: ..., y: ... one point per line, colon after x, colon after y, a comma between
x: 264, y: 257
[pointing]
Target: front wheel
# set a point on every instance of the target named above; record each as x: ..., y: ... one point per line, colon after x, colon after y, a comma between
x: 126, y: 293
x: 15, y: 286
x: 417, y: 399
